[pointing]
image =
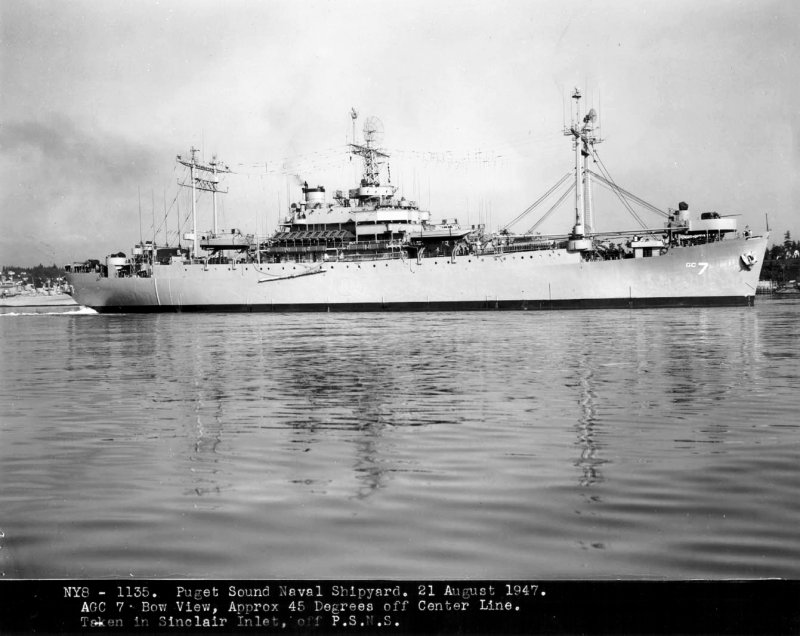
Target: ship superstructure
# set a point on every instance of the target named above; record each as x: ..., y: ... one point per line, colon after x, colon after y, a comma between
x: 368, y: 249
x: 367, y: 221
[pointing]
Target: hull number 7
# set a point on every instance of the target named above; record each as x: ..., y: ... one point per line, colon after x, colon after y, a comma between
x: 702, y: 266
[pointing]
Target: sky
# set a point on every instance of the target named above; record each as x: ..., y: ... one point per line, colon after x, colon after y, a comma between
x: 697, y: 102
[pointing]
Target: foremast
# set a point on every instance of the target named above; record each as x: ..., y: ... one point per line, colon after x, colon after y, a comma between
x: 582, y: 131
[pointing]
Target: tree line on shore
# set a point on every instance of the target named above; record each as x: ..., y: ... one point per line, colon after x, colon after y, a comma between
x: 38, y: 275
x: 782, y: 261
x: 787, y: 249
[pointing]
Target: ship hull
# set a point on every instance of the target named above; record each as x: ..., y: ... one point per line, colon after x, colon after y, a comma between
x: 703, y: 275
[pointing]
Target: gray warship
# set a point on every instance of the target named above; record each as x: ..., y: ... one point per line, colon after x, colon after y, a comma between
x: 366, y: 249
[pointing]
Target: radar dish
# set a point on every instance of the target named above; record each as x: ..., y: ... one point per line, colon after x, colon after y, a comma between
x: 591, y: 116
x: 373, y: 131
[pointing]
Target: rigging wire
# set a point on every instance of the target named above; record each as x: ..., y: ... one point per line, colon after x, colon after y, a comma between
x: 292, y: 165
x: 616, y: 188
x: 163, y: 222
x: 611, y: 188
x: 630, y: 195
x: 552, y: 208
x: 531, y: 207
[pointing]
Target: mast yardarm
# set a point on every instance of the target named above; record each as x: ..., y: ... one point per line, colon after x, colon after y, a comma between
x: 206, y: 184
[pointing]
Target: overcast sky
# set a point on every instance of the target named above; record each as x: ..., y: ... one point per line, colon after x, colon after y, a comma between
x: 697, y: 102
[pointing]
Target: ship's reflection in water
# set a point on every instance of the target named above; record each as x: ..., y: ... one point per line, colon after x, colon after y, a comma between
x: 590, y: 460
x: 492, y: 444
x: 336, y: 378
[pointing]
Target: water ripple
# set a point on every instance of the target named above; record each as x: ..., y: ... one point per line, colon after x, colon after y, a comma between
x: 654, y: 443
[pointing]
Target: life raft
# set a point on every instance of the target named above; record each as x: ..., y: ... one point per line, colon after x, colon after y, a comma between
x: 748, y: 259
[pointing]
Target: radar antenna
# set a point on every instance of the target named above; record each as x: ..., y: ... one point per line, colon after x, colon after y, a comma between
x: 373, y: 132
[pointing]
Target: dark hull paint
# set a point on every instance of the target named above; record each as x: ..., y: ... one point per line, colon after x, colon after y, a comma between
x: 504, y: 305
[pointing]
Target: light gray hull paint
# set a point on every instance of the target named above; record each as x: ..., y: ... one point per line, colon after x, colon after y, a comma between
x: 547, y: 277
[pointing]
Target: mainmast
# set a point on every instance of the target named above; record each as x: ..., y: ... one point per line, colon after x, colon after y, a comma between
x: 372, y: 163
x: 373, y: 132
x: 371, y: 158
x: 370, y: 190
x: 202, y: 183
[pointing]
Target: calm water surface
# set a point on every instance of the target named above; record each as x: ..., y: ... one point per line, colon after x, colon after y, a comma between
x: 589, y: 444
